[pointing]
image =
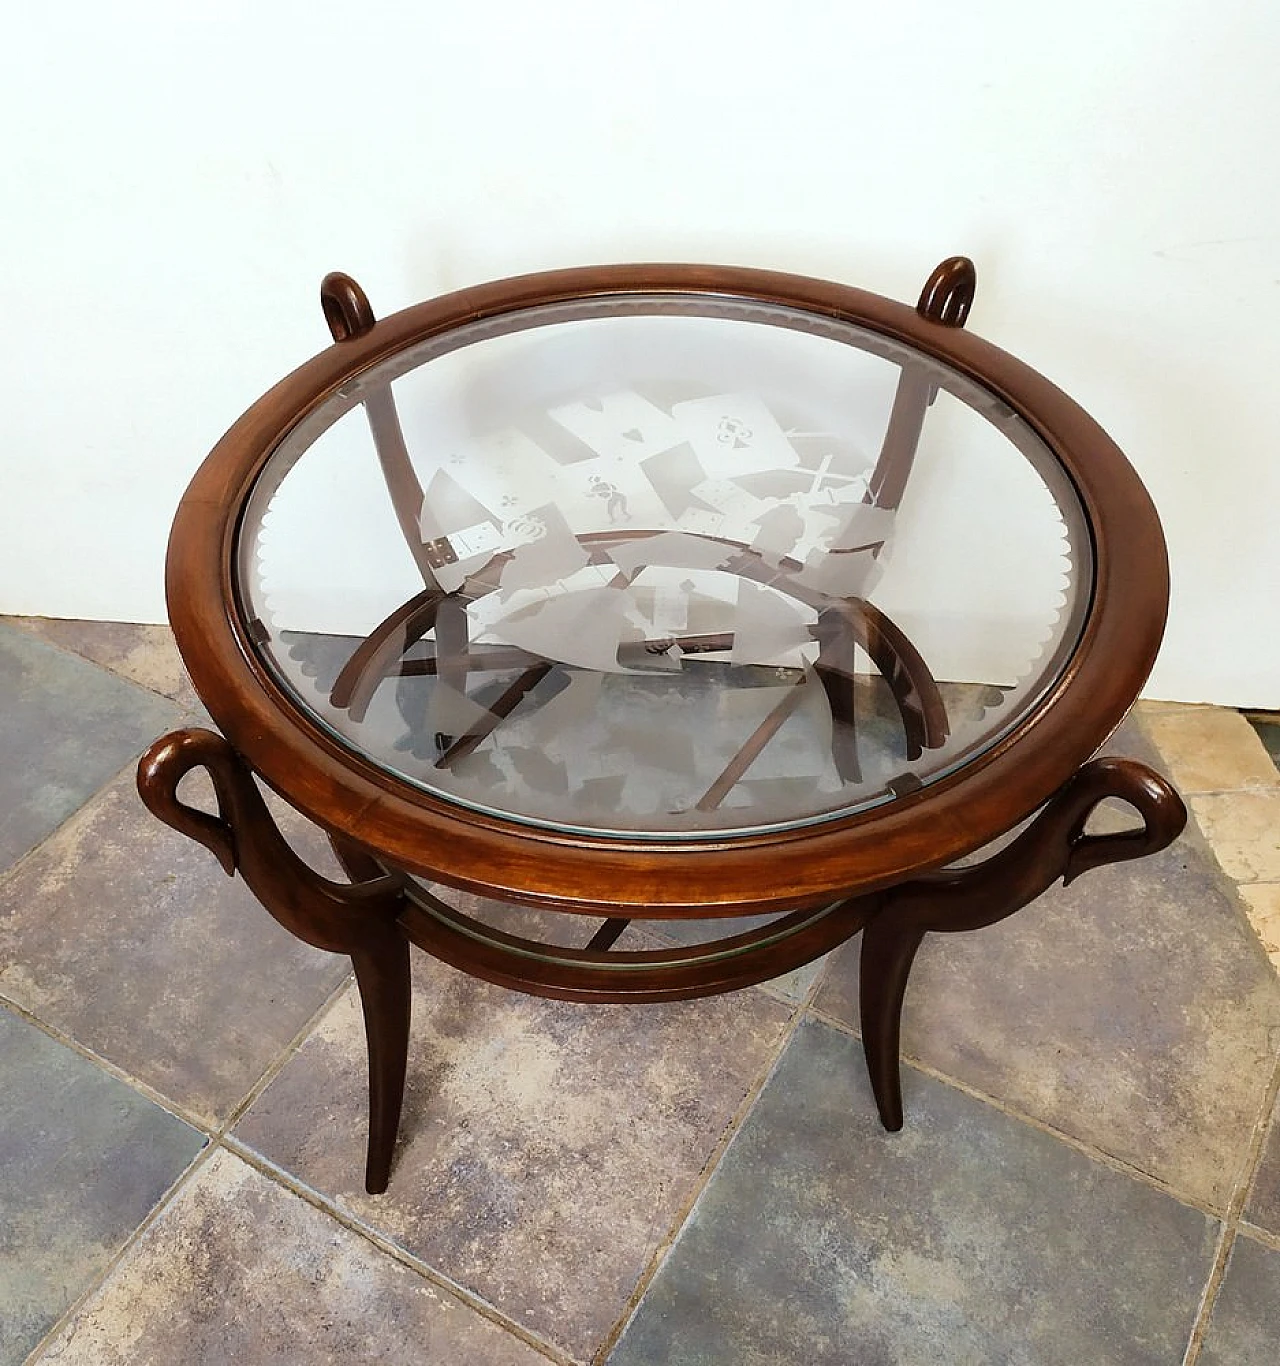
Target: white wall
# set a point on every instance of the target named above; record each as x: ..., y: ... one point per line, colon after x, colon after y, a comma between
x: 178, y: 178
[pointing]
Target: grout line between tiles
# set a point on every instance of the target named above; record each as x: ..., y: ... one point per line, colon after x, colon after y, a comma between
x: 175, y: 1108
x: 221, y: 1137
x: 354, y: 1223
x: 677, y: 1226
x: 92, y: 799
x: 1209, y: 1295
x: 1195, y: 824
x: 1235, y: 1213
x: 1258, y: 1235
x: 218, y: 1136
x: 284, y: 1056
x: 1086, y: 1149
x: 212, y: 1129
x: 179, y: 1183
x: 85, y: 659
x: 799, y: 1002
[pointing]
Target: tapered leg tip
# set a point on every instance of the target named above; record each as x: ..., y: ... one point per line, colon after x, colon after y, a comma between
x: 377, y: 1173
x: 376, y: 1182
x: 890, y: 1115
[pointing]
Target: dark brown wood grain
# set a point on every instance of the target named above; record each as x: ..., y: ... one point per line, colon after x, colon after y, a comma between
x: 580, y: 872
x: 876, y: 871
x: 360, y: 919
x: 1054, y: 846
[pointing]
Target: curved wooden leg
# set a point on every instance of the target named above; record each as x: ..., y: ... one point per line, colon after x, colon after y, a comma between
x: 382, y: 976
x: 376, y: 655
x: 924, y: 714
x: 386, y: 1001
x: 1053, y: 846
x: 884, y: 966
x: 359, y: 918
x: 920, y: 704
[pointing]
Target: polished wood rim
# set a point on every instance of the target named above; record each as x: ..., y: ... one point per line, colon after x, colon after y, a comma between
x: 783, y: 869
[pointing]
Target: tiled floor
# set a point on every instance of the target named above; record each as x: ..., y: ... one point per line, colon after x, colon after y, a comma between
x: 1086, y: 1173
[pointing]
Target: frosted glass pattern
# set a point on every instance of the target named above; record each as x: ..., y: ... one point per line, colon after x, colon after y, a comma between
x: 665, y: 566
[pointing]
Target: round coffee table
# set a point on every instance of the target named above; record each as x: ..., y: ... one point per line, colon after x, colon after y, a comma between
x: 716, y: 608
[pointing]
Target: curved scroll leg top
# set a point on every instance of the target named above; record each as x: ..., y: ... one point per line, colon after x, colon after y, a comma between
x: 1054, y: 846
x: 358, y: 919
x: 346, y: 306
x: 948, y: 293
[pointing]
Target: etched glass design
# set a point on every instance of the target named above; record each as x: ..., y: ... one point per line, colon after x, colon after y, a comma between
x: 665, y: 566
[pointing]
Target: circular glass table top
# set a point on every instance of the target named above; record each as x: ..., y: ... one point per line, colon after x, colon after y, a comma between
x: 664, y: 566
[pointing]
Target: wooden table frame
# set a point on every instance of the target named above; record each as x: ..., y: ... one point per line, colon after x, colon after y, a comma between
x: 881, y: 871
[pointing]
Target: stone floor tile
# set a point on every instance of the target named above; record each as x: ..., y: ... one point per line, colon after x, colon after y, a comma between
x: 1267, y: 726
x: 795, y: 986
x: 1262, y: 905
x: 83, y: 1160
x: 1130, y: 736
x: 238, y: 1269
x: 65, y: 727
x: 1210, y: 749
x: 1243, y: 829
x: 967, y: 1238
x: 1244, y: 1329
x: 1263, y: 1207
x: 1151, y: 706
x: 129, y: 938
x: 146, y: 655
x: 791, y: 986
x: 1134, y: 1009
x: 546, y: 1147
